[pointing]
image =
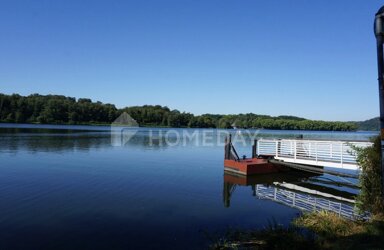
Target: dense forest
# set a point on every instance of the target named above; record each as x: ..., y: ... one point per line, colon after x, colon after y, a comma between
x: 371, y: 124
x: 58, y: 109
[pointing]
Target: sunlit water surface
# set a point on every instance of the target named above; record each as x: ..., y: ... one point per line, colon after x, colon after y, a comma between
x: 68, y: 187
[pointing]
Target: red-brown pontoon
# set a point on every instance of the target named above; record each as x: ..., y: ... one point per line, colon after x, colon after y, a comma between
x: 247, y: 166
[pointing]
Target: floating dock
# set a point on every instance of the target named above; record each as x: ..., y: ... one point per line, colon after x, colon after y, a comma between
x: 271, y: 156
x: 251, y: 166
x: 247, y: 166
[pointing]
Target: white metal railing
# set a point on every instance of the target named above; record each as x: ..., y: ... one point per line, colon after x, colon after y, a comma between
x: 305, y: 202
x: 339, y: 154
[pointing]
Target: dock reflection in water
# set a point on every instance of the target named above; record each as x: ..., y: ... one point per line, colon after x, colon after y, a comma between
x: 304, y: 191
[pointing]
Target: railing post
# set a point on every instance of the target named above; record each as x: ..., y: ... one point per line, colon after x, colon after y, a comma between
x: 274, y: 195
x: 309, y: 150
x: 341, y: 156
x: 316, y: 151
x: 258, y: 148
x: 295, y: 152
x: 277, y: 148
x: 254, y: 149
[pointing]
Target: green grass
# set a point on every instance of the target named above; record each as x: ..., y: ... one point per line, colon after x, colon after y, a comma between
x: 274, y: 236
x: 321, y: 230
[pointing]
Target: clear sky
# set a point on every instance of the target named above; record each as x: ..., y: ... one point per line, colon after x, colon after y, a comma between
x: 315, y: 58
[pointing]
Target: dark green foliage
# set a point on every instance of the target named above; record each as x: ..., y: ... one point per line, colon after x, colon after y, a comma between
x: 59, y: 109
x: 316, y: 230
x: 149, y: 115
x: 369, y: 125
x: 274, y: 236
x: 54, y: 109
x: 370, y: 197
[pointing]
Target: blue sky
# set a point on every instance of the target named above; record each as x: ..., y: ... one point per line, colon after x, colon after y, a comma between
x: 314, y: 59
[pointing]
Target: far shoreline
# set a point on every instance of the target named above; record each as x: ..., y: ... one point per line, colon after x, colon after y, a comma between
x: 95, y: 125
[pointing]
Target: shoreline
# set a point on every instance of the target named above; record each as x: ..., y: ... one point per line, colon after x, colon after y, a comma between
x: 168, y: 127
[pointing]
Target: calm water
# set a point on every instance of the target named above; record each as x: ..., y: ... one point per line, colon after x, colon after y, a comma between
x: 67, y: 187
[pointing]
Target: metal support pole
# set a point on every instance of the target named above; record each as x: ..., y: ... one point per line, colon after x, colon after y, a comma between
x: 379, y: 33
x: 380, y: 65
x: 226, y: 149
x: 254, y: 149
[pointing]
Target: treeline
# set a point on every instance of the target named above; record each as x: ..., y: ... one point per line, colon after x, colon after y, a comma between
x: 57, y: 109
x: 54, y: 109
x: 371, y: 124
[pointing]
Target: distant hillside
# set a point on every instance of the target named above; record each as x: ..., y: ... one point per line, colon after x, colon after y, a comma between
x: 370, y: 125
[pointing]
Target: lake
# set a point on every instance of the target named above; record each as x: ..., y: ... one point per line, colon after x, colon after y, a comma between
x: 72, y: 187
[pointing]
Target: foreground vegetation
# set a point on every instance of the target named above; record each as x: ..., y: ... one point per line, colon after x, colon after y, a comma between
x: 370, y: 197
x: 323, y: 230
x: 57, y: 109
x: 326, y: 230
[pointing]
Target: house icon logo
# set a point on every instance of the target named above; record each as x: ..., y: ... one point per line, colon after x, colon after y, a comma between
x: 123, y: 129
